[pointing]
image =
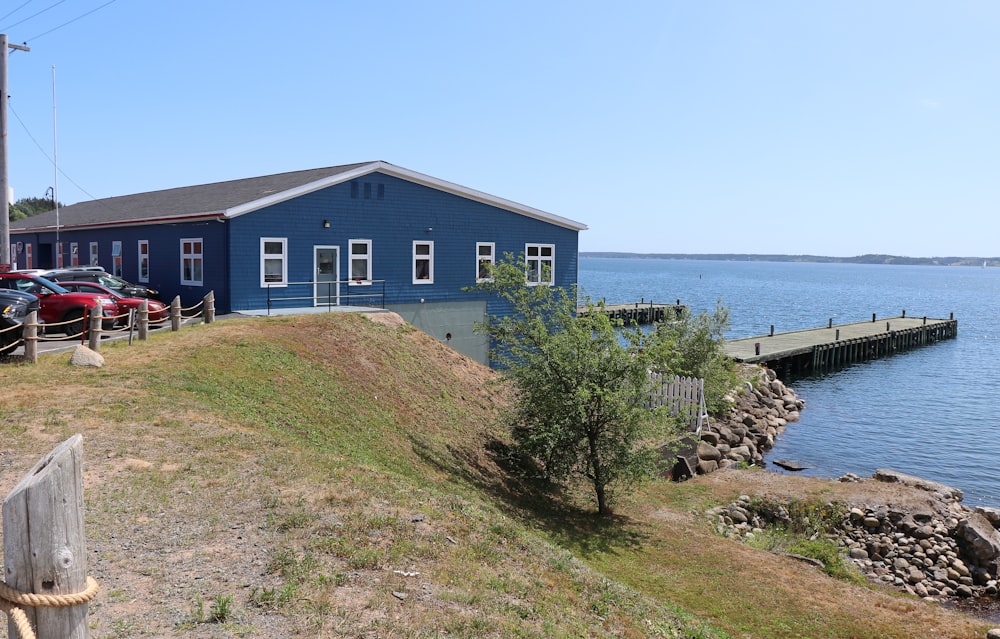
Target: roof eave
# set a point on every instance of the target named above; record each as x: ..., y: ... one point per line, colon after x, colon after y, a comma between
x: 189, y: 217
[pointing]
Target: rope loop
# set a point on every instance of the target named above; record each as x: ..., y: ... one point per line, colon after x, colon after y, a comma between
x: 11, y: 599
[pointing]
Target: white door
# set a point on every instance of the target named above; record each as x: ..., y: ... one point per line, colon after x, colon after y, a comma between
x: 326, y: 262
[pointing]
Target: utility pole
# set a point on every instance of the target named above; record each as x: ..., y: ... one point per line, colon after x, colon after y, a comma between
x: 5, y: 257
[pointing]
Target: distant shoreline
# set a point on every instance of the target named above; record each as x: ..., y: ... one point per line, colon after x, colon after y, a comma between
x: 859, y: 259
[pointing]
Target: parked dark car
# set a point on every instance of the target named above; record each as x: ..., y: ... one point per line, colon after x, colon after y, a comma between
x: 158, y: 311
x: 14, y: 308
x: 56, y: 304
x: 92, y: 274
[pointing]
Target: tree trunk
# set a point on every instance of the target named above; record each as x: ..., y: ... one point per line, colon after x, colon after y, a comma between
x: 597, y: 469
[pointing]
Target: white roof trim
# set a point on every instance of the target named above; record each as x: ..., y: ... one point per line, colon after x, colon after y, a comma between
x: 411, y: 176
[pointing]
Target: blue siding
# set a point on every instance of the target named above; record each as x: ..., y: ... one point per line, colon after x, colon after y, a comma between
x: 164, y: 252
x: 407, y: 212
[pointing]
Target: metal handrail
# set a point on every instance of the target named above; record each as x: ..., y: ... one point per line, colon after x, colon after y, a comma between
x: 332, y: 300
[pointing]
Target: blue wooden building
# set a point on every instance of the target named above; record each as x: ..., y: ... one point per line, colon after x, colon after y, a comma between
x: 368, y: 234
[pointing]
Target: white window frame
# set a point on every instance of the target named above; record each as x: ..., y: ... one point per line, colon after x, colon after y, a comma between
x: 116, y: 258
x: 94, y: 259
x: 480, y: 258
x: 423, y: 257
x: 533, y: 253
x: 266, y: 257
x: 142, y: 250
x: 59, y: 255
x: 74, y: 254
x: 194, y: 258
x: 367, y: 258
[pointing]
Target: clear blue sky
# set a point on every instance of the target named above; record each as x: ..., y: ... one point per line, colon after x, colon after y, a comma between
x: 826, y: 127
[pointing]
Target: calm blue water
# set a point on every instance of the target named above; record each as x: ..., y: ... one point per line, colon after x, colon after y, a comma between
x: 932, y: 412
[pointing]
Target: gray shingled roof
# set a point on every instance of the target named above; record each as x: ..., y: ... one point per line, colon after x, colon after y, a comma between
x: 237, y: 197
x: 185, y: 201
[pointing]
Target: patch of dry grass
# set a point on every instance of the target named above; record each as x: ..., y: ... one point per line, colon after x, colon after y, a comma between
x: 317, y: 477
x: 329, y: 476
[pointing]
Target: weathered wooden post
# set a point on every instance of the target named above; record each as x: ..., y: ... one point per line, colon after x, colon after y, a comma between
x: 210, y: 307
x: 143, y: 320
x: 30, y: 337
x: 94, y: 333
x: 175, y: 314
x: 44, y: 547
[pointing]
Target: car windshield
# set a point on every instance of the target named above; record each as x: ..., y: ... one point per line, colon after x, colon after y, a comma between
x: 38, y: 285
x: 111, y: 281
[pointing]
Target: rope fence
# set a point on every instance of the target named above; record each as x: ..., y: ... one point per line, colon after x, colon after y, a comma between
x: 17, y: 340
x: 93, y: 329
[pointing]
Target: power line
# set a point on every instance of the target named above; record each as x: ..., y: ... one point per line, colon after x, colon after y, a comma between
x: 51, y: 6
x: 26, y: 3
x: 79, y: 17
x: 46, y: 155
x: 45, y: 33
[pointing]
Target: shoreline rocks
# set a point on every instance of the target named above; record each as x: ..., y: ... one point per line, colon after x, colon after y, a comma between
x: 945, y: 551
x: 759, y: 413
x: 938, y: 551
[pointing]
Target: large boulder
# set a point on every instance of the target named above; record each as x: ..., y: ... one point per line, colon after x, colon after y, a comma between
x: 707, y: 451
x: 83, y: 356
x: 980, y: 541
x: 946, y: 492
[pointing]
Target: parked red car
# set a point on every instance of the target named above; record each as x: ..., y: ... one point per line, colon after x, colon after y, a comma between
x: 57, y: 304
x: 158, y: 311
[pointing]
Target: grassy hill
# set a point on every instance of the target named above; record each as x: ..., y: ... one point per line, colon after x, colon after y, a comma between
x: 331, y: 476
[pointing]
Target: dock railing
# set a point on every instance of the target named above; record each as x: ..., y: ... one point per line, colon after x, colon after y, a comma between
x: 359, y: 293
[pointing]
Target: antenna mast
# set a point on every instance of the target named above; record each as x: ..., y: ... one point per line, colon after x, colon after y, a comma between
x: 55, y: 158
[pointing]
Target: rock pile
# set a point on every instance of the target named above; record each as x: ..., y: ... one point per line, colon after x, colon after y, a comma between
x: 936, y: 553
x: 758, y: 415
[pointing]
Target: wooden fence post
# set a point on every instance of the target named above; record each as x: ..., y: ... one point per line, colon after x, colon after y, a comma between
x: 44, y: 547
x: 30, y: 337
x: 143, y: 320
x: 94, y: 333
x: 175, y: 314
x: 210, y: 307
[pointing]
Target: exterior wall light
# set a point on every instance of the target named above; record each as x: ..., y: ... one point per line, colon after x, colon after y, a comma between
x: 326, y: 224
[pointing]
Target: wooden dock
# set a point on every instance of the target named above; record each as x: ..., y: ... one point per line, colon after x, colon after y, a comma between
x: 638, y: 312
x: 818, y: 350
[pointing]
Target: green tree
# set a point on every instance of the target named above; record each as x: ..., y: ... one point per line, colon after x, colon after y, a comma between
x: 700, y: 352
x: 580, y: 383
x: 28, y: 206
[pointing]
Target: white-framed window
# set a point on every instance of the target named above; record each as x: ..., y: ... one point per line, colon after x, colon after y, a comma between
x: 273, y: 261
x: 116, y: 258
x: 74, y: 254
x: 486, y: 255
x: 192, y: 261
x: 144, y: 261
x: 423, y: 262
x: 361, y: 262
x: 540, y: 260
x: 59, y: 255
x: 29, y: 258
x: 93, y: 254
